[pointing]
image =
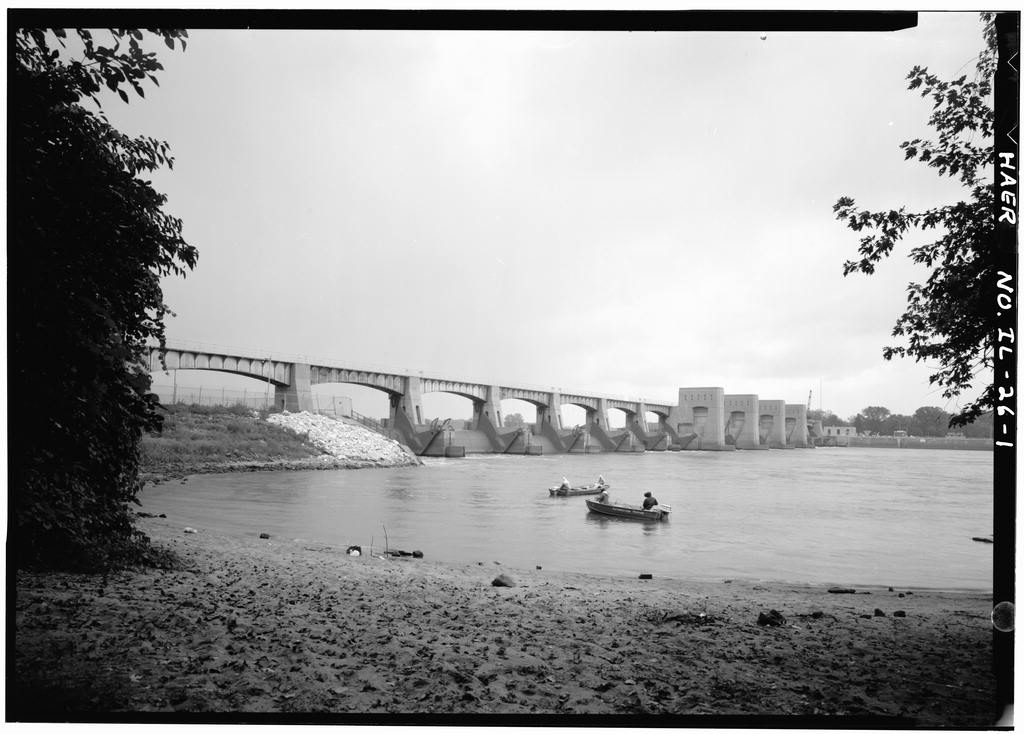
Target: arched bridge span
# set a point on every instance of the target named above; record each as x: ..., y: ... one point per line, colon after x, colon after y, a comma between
x: 277, y: 372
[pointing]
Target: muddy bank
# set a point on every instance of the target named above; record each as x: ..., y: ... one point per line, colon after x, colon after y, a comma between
x: 262, y: 625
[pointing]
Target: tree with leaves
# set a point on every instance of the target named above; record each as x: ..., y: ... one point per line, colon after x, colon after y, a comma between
x: 896, y: 422
x: 949, y: 319
x: 827, y: 418
x: 929, y: 420
x: 88, y: 243
x: 981, y: 428
x: 872, y: 419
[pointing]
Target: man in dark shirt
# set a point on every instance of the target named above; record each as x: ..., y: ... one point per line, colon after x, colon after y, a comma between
x: 649, y: 501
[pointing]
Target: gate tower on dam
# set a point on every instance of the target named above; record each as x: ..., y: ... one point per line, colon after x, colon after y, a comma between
x: 772, y: 424
x: 702, y: 419
x: 742, y: 421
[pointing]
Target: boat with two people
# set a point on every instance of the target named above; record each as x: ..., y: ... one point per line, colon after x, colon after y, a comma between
x: 567, y: 490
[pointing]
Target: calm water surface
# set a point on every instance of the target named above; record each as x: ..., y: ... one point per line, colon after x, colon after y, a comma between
x: 849, y: 516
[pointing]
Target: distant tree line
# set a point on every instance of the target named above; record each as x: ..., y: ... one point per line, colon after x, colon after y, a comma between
x: 926, y: 421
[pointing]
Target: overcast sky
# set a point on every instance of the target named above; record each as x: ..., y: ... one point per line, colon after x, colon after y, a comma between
x: 608, y: 212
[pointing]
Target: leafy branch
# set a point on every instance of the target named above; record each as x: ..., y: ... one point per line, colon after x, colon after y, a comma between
x: 947, y: 317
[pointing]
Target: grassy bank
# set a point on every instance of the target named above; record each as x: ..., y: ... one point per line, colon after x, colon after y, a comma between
x: 204, y: 438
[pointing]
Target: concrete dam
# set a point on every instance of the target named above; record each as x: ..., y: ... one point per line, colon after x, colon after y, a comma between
x: 701, y: 419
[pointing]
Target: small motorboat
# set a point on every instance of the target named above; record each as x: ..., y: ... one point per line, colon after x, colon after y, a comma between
x: 634, y: 512
x: 574, y: 491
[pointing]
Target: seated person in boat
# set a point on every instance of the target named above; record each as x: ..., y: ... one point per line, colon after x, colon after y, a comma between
x: 565, y: 484
x: 600, y: 480
x: 603, y: 496
x: 649, y: 500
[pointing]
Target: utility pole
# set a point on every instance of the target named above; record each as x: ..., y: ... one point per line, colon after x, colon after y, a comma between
x: 266, y: 401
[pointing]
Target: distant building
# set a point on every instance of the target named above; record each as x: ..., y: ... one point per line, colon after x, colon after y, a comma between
x: 899, y: 434
x: 840, y: 431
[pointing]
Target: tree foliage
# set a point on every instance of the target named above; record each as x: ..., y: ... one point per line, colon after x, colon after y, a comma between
x: 981, y: 428
x: 88, y: 244
x: 827, y: 418
x: 929, y: 420
x: 926, y: 421
x: 948, y: 320
x: 872, y: 419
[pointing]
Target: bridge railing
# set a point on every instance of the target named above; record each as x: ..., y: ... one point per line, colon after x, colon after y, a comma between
x: 342, y: 363
x: 374, y: 425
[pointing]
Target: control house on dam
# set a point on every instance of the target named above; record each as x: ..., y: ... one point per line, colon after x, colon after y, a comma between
x: 701, y: 419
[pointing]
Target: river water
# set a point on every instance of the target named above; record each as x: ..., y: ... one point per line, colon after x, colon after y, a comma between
x: 829, y: 515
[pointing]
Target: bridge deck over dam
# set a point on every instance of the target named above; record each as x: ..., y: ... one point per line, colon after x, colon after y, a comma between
x: 698, y: 421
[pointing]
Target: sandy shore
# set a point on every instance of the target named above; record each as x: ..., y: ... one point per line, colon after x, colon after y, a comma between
x: 261, y: 625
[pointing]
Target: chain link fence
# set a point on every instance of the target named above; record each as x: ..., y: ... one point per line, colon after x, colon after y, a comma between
x: 336, y: 406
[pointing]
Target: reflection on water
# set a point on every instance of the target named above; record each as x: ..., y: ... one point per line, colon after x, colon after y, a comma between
x: 869, y: 516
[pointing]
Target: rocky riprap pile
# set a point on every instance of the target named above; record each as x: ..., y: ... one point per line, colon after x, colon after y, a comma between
x: 342, y: 442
